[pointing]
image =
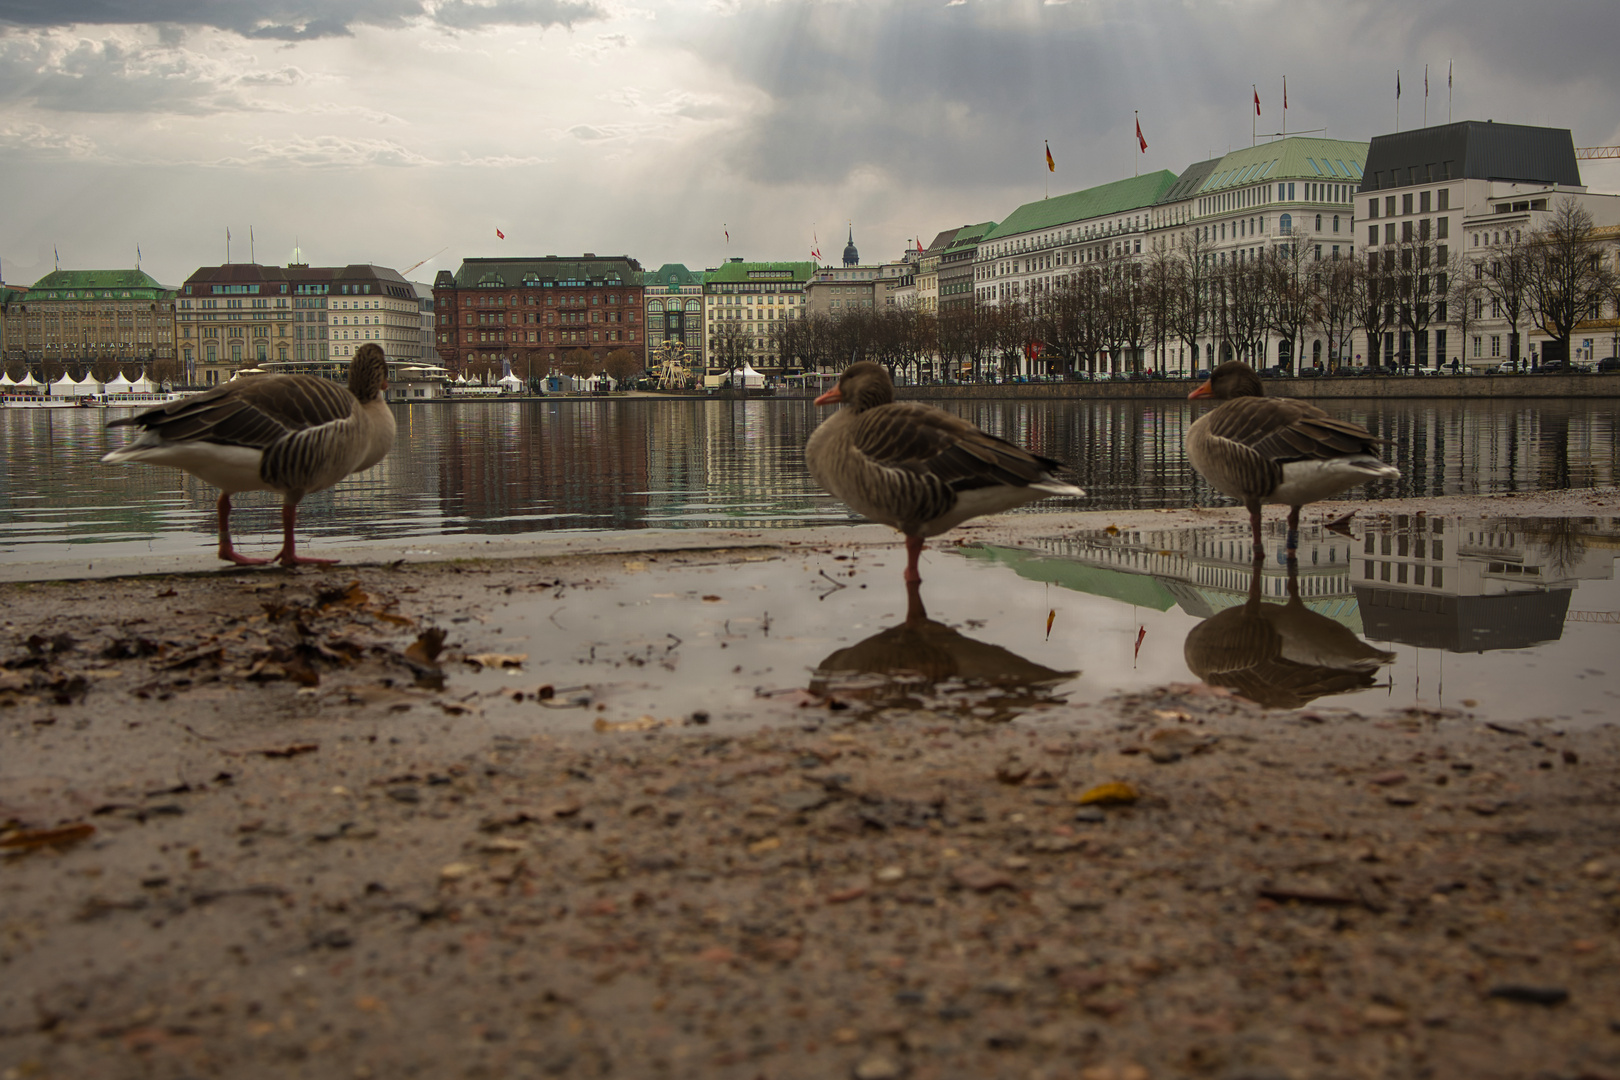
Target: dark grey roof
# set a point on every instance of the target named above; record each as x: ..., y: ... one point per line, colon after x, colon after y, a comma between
x: 1191, y: 179
x: 1462, y: 623
x: 1472, y: 150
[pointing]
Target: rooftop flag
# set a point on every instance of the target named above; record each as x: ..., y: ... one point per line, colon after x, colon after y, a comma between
x: 1141, y: 140
x: 499, y: 235
x: 1257, y: 101
x: 1051, y: 166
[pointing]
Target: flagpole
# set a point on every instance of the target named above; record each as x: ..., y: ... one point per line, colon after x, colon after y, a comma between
x: 1254, y: 117
x: 1448, y: 91
x: 252, y: 256
x: 1425, y: 95
x: 1285, y: 106
x: 1137, y: 157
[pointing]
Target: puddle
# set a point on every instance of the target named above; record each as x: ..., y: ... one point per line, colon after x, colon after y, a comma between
x: 1510, y: 619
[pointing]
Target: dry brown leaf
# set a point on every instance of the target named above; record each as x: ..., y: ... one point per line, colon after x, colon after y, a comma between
x: 60, y: 836
x: 1115, y: 793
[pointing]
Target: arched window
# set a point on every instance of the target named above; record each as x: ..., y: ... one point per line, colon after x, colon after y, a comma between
x: 1285, y: 224
x: 692, y: 305
x: 1318, y: 222
x: 1335, y: 222
x: 655, y: 307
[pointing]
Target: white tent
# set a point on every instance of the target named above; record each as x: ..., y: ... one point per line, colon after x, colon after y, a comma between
x: 142, y: 385
x: 28, y: 379
x: 65, y: 386
x: 87, y: 386
x: 118, y: 385
x: 747, y: 377
x: 509, y: 383
x: 5, y: 379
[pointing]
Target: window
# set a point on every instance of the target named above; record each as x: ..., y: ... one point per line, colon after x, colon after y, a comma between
x: 1335, y: 222
x: 1372, y: 234
x: 1389, y: 233
x: 1372, y: 208
x: 1444, y: 202
x: 1478, y: 343
x: 1389, y: 206
x: 1318, y: 222
x: 1496, y: 344
x: 1423, y: 202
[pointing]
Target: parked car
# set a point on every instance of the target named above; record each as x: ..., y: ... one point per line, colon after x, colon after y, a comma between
x: 1559, y: 367
x: 1609, y: 363
x: 1202, y: 374
x: 1312, y: 372
x: 1275, y: 372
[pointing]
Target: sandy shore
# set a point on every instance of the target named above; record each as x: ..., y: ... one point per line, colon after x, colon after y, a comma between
x: 270, y: 824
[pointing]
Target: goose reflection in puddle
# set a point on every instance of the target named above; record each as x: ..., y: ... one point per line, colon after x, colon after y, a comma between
x: 921, y: 663
x: 1282, y: 656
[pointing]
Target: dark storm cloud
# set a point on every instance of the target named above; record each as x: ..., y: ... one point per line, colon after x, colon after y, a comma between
x: 296, y: 20
x: 918, y: 91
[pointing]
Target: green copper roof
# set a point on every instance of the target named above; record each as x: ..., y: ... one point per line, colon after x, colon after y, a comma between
x: 671, y: 274
x: 1296, y: 158
x: 766, y: 272
x: 1137, y: 193
x: 1139, y: 589
x: 970, y: 234
x: 511, y: 273
x: 59, y: 280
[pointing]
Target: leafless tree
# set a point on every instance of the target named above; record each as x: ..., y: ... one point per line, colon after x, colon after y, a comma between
x: 1336, y: 313
x: 1190, y: 313
x: 1372, y: 304
x: 1465, y: 296
x: 1506, y: 274
x: 1569, y: 277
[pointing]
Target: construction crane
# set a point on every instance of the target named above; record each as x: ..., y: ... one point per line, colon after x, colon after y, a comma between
x: 419, y: 262
x: 1596, y: 153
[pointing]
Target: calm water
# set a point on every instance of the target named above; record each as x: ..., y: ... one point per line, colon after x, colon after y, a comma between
x: 498, y: 468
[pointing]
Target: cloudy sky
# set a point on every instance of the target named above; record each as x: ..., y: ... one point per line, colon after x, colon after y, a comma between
x: 393, y: 131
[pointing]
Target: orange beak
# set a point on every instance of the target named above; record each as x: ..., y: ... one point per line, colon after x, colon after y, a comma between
x: 1203, y: 391
x: 831, y: 397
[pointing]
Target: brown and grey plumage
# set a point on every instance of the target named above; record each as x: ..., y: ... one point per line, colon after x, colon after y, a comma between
x: 1277, y: 450
x: 1282, y: 656
x: 289, y: 433
x: 917, y: 468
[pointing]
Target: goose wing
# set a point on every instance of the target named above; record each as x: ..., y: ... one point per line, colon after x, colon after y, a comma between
x: 941, y: 449
x: 256, y: 413
x: 1285, y: 429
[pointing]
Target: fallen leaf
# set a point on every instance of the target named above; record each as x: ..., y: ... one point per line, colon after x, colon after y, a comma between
x: 1115, y: 793
x: 62, y: 835
x: 640, y: 723
x: 425, y: 649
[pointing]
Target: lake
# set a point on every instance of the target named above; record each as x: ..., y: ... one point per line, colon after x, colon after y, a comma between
x: 501, y: 468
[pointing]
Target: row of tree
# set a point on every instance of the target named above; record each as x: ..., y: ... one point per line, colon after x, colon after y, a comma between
x: 1189, y: 305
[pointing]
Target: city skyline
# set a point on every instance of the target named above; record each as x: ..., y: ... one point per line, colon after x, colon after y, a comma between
x: 397, y: 132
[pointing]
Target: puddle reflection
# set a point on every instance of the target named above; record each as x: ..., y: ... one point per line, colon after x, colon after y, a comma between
x: 1499, y: 614
x: 921, y: 663
x: 1283, y: 656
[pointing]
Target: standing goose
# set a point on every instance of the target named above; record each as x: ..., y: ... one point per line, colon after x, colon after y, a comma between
x: 917, y: 468
x: 289, y: 433
x: 1276, y: 450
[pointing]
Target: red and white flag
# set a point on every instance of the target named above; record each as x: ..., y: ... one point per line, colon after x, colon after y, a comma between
x: 499, y: 235
x: 1141, y: 140
x: 1257, y: 102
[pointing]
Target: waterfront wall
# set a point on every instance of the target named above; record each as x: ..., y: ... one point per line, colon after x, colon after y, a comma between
x: 1462, y: 387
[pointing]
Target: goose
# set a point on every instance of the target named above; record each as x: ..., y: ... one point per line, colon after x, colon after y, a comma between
x: 1282, y: 656
x: 289, y: 433
x: 1276, y: 450
x: 916, y: 468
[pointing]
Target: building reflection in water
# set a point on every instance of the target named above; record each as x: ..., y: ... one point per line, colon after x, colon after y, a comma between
x: 921, y: 663
x: 1443, y: 582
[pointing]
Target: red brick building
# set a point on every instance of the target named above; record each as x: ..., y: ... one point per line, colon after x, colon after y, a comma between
x: 531, y: 311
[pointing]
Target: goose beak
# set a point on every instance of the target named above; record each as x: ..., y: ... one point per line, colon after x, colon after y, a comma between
x: 1203, y: 391
x: 831, y: 397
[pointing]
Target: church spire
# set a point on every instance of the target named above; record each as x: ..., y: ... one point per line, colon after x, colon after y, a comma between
x: 851, y: 256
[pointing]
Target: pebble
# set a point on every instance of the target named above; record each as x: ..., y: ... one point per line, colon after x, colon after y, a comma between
x: 1091, y: 815
x: 1530, y: 995
x: 888, y: 875
x: 877, y: 1067
x: 1383, y: 1016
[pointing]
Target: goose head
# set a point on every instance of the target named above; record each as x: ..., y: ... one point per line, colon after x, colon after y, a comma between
x: 1233, y: 379
x: 368, y: 372
x: 864, y: 385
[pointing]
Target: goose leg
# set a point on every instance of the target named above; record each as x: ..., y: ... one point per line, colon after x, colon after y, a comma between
x: 288, y: 555
x: 914, y: 546
x: 226, y: 551
x: 1293, y: 530
x: 1254, y: 525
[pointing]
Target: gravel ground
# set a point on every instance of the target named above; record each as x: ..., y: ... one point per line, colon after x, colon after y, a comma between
x: 261, y: 824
